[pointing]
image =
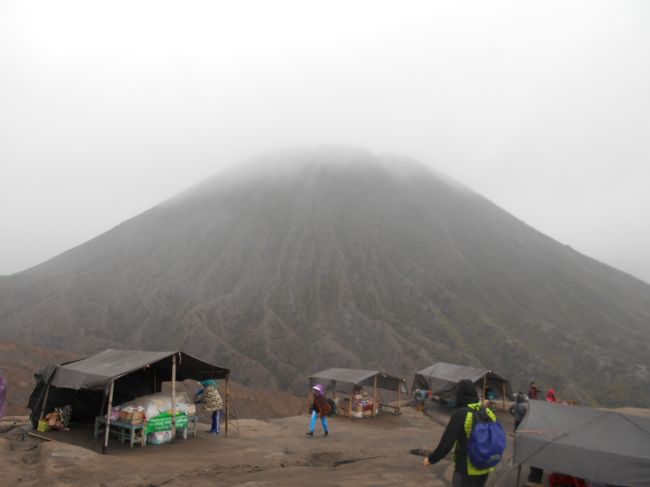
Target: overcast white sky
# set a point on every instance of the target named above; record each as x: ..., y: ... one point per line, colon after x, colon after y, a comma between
x: 108, y: 108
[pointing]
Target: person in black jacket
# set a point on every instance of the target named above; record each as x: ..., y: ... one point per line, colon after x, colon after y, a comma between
x: 455, y: 434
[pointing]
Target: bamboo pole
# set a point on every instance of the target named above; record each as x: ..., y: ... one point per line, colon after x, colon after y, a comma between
x: 518, y: 475
x: 374, y: 404
x: 108, y: 416
x: 173, y: 397
x: 227, y: 400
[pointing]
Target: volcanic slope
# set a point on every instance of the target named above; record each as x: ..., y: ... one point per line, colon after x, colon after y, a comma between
x: 313, y: 258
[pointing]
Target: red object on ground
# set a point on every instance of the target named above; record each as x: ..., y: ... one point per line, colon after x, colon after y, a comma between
x: 561, y: 480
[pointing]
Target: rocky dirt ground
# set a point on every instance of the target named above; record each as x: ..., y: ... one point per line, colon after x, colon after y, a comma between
x: 256, y: 453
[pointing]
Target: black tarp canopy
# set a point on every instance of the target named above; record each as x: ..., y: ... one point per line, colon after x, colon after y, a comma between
x: 96, y: 372
x: 441, y: 379
x: 344, y: 380
x: 608, y: 447
x: 120, y: 375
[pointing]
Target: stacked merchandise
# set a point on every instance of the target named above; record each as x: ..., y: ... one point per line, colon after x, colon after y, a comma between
x: 362, y: 407
x: 155, y: 410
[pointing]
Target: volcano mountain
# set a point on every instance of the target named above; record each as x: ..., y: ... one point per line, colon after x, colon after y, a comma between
x: 313, y: 258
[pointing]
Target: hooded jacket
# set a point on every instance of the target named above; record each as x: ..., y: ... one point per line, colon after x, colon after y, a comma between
x: 455, y: 430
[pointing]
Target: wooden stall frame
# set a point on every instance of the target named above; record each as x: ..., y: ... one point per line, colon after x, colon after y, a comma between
x: 375, y: 405
x: 399, y: 396
x: 173, y: 397
x: 108, y: 416
x: 227, y: 405
x: 47, y: 393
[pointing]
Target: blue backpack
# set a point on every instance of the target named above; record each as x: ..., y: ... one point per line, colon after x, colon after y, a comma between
x: 487, y: 440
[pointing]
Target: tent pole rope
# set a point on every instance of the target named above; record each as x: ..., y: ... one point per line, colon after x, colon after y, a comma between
x: 173, y: 397
x: 108, y: 416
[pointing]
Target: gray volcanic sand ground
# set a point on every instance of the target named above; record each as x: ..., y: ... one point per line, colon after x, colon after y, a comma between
x: 275, y: 452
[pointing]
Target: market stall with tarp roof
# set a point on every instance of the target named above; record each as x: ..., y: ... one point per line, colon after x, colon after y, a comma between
x: 441, y: 379
x: 350, y: 381
x: 608, y: 447
x: 94, y: 383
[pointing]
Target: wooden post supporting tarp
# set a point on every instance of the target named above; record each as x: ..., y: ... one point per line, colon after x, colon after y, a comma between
x: 399, y: 400
x: 375, y: 406
x: 173, y: 397
x: 484, y: 386
x: 503, y: 384
x: 108, y: 416
x: 518, y: 475
x: 350, y: 405
x: 44, y: 405
x: 227, y: 401
x: 309, y: 401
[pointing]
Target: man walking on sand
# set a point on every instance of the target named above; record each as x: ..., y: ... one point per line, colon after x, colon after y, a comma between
x: 457, y: 433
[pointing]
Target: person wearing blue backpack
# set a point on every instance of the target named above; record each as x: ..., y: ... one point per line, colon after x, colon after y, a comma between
x: 475, y: 435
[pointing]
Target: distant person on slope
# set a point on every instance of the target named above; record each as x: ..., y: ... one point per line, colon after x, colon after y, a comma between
x: 456, y: 435
x: 550, y: 395
x: 320, y: 408
x: 533, y: 392
x: 211, y: 401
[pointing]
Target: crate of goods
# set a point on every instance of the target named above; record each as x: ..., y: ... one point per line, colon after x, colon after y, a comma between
x: 131, y: 416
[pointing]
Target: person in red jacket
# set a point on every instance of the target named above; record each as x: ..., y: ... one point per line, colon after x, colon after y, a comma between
x: 533, y: 392
x: 550, y: 395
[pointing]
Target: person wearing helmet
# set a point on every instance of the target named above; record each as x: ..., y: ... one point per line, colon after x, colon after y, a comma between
x: 320, y: 408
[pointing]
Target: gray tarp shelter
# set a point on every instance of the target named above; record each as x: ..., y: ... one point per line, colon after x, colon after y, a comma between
x: 596, y: 445
x: 121, y: 374
x: 441, y: 379
x: 345, y: 380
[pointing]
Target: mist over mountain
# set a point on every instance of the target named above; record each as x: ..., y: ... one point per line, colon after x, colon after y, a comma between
x: 312, y: 258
